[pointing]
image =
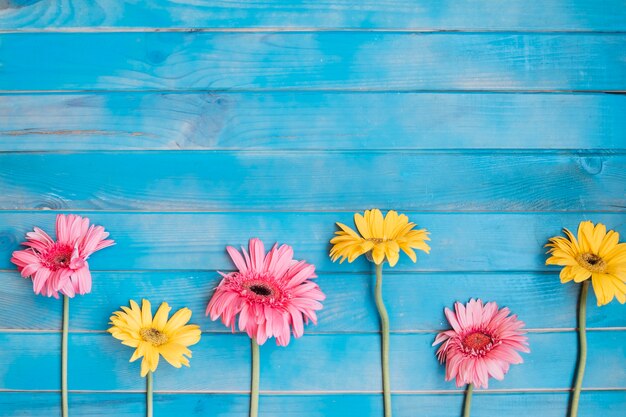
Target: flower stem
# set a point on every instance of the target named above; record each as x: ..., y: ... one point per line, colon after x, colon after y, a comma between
x: 468, y: 400
x: 582, y: 342
x: 384, y: 325
x: 149, y: 384
x: 254, y: 386
x: 65, y: 324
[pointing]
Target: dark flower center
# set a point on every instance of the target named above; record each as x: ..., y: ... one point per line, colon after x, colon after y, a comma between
x: 58, y: 256
x: 261, y: 290
x: 477, y: 341
x: 153, y: 336
x: 591, y: 262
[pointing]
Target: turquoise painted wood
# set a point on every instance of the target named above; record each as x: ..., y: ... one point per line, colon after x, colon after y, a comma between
x: 568, y: 15
x: 348, y: 308
x: 311, y: 121
x: 315, y: 181
x: 312, y: 61
x: 184, y: 126
x: 317, y: 362
x: 196, y: 241
x: 549, y: 404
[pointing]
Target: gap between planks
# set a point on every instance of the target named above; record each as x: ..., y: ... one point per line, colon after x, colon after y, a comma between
x: 329, y: 91
x: 319, y: 392
x: 329, y: 333
x: 586, y: 152
x: 315, y: 90
x: 277, y: 29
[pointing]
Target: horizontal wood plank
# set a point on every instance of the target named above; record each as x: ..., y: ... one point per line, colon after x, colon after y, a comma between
x: 348, y: 362
x: 549, y: 404
x: 197, y: 241
x: 363, y: 14
x: 312, y: 61
x: 288, y: 120
x: 415, y: 301
x: 315, y: 180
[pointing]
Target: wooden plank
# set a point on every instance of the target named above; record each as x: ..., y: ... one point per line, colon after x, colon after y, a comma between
x: 364, y: 14
x: 193, y: 241
x: 312, y: 61
x: 347, y: 362
x: 315, y: 180
x: 548, y: 404
x: 135, y: 121
x: 415, y: 301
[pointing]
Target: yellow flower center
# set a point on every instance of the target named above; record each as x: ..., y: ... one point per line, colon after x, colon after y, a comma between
x: 375, y: 240
x: 153, y: 336
x: 591, y: 262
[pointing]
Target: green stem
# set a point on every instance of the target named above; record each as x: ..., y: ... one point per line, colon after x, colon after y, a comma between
x: 65, y: 324
x: 149, y: 384
x: 582, y: 342
x: 254, y: 386
x: 384, y: 324
x: 468, y: 400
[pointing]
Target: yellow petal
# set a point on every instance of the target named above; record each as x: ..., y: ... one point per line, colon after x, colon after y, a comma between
x: 362, y: 225
x: 160, y: 318
x: 174, y: 353
x: 378, y: 254
x: 187, y: 335
x: 146, y: 313
x: 179, y: 319
x: 376, y: 223
x: 145, y: 367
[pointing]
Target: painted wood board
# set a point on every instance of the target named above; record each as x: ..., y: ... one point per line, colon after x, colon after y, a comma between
x: 366, y: 14
x: 315, y: 362
x: 312, y: 61
x: 310, y: 121
x: 315, y: 180
x: 546, y: 404
x: 415, y: 300
x: 197, y: 241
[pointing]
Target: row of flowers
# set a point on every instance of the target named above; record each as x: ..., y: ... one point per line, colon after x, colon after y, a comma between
x: 272, y: 295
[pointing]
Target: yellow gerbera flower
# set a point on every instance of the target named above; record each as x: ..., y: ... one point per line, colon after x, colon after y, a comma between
x: 156, y: 336
x: 380, y: 238
x: 596, y: 254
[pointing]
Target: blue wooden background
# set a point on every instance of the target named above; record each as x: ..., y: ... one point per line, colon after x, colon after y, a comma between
x: 186, y: 125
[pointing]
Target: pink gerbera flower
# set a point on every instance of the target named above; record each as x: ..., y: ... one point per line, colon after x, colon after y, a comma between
x: 61, y: 265
x: 483, y: 343
x: 271, y: 293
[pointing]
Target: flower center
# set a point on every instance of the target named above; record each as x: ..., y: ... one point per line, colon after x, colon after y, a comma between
x: 477, y: 341
x: 260, y: 289
x: 58, y: 256
x: 591, y: 262
x: 375, y: 240
x: 154, y: 336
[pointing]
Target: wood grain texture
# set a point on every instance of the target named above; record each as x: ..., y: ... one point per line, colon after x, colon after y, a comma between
x: 312, y: 61
x: 366, y: 14
x: 197, y: 241
x: 552, y: 404
x: 316, y: 180
x: 332, y: 121
x: 328, y: 363
x: 415, y: 301
x: 184, y: 126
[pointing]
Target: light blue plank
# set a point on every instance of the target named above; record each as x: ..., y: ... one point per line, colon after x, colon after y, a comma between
x: 345, y: 362
x: 193, y: 241
x: 315, y: 180
x: 552, y: 404
x: 311, y: 121
x: 367, y: 14
x: 415, y: 301
x: 312, y: 61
